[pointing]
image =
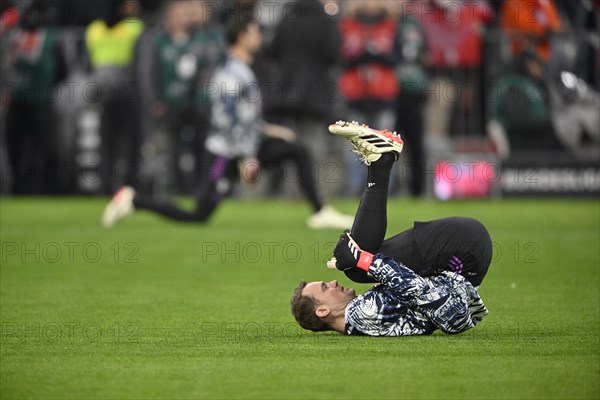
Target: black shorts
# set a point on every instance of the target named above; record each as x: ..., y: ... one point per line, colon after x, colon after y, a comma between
x: 459, y: 244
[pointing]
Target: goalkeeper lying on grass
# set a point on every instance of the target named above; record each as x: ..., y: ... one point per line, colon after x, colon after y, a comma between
x: 448, y: 259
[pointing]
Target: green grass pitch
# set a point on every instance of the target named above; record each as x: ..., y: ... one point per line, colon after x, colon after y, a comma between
x: 154, y: 309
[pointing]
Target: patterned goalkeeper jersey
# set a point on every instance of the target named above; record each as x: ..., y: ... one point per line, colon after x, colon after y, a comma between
x: 405, y: 303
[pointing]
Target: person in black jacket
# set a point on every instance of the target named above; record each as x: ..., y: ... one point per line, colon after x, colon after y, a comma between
x: 38, y: 64
x: 305, y: 48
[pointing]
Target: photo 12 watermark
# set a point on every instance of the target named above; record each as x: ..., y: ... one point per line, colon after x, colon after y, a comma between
x: 69, y: 332
x: 300, y: 253
x: 68, y: 252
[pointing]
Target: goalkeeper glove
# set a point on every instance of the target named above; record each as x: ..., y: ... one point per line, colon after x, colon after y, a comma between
x: 348, y: 254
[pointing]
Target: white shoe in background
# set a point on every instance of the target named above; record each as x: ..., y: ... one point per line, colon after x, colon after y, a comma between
x: 329, y: 217
x: 119, y: 207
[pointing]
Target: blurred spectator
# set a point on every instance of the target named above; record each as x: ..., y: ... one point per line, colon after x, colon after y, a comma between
x: 575, y: 114
x: 208, y: 35
x: 187, y: 52
x: 582, y: 15
x: 305, y: 48
x: 529, y: 24
x: 269, y: 14
x: 579, y: 51
x: 80, y: 13
x: 211, y: 48
x: 155, y: 158
x: 110, y: 43
x: 227, y: 9
x: 410, y: 112
x: 572, y: 104
x: 9, y: 16
x: 521, y: 109
x: 454, y: 30
x: 37, y: 65
x: 370, y: 52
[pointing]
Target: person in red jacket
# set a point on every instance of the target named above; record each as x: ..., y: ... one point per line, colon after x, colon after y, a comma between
x: 454, y: 31
x: 370, y: 52
x: 9, y: 16
x: 529, y: 23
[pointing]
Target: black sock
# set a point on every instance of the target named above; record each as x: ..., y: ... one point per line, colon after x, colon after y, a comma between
x: 370, y: 223
x: 379, y: 172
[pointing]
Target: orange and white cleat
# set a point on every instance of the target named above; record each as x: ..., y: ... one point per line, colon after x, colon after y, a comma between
x: 369, y: 143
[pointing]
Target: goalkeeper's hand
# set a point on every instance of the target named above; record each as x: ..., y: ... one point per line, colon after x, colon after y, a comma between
x: 348, y: 254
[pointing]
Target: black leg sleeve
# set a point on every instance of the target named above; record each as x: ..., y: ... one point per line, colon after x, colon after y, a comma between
x: 371, y: 218
x: 168, y: 210
x: 217, y: 183
x: 370, y: 223
x: 273, y: 152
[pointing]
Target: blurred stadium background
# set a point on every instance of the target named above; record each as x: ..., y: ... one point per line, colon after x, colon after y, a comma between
x: 497, y: 101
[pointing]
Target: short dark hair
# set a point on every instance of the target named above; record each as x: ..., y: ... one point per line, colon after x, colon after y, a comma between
x: 303, y: 309
x: 236, y: 25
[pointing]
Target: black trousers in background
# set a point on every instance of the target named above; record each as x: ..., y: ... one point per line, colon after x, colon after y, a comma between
x: 121, y: 140
x: 221, y: 174
x: 410, y: 123
x: 458, y: 244
x: 274, y: 152
x: 187, y: 132
x: 30, y: 140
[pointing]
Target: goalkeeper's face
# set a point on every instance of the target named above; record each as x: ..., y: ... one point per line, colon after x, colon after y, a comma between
x: 331, y: 294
